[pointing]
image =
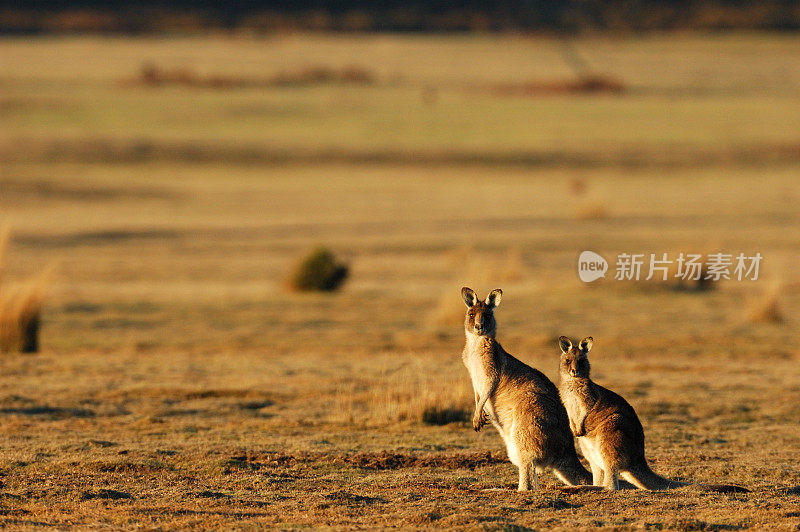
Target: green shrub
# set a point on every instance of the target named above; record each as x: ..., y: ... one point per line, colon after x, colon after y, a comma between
x: 319, y: 271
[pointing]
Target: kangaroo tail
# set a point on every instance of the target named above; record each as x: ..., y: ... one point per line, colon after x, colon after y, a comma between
x: 643, y: 477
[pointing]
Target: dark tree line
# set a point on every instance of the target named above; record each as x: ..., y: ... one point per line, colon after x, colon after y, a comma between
x: 571, y: 16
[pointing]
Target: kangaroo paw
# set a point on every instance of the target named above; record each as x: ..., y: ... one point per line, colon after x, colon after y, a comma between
x: 478, y: 421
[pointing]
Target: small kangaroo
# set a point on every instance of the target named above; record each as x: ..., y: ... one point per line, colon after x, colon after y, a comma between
x: 609, y: 432
x: 521, y: 402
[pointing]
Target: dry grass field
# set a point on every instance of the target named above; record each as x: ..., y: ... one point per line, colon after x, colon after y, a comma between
x: 180, y: 385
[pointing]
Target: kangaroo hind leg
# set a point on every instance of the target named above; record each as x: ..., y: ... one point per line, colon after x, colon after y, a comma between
x: 611, y: 477
x: 597, y: 474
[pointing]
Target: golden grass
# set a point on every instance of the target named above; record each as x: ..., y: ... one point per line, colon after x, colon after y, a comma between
x: 156, y: 376
x: 20, y: 307
x: 512, y: 267
x: 403, y: 394
x: 591, y: 211
x: 484, y: 271
x: 5, y: 236
x: 179, y: 385
x: 741, y: 112
x: 577, y: 186
x: 253, y: 441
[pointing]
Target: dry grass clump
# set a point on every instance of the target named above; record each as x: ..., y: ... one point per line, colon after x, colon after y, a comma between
x: 439, y: 415
x: 20, y: 316
x: 20, y: 309
x: 319, y: 271
x: 151, y: 75
x: 416, y: 398
x: 767, y: 309
x: 407, y: 394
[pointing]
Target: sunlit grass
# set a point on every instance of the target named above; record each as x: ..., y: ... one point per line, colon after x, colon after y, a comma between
x: 172, y: 353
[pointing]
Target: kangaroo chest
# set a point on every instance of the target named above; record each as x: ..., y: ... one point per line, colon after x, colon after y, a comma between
x: 479, y: 360
x: 574, y: 396
x: 575, y: 406
x: 477, y: 372
x: 481, y: 382
x: 478, y: 357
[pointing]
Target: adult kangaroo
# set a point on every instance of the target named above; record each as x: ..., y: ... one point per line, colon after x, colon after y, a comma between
x: 520, y: 401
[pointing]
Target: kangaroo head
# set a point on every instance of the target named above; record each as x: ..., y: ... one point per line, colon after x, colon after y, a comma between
x: 480, y: 314
x: 574, y: 359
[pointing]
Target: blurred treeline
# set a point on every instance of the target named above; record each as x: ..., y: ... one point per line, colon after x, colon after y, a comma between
x: 260, y: 16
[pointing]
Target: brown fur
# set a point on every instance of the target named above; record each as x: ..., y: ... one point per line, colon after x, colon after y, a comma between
x: 609, y: 432
x: 520, y: 401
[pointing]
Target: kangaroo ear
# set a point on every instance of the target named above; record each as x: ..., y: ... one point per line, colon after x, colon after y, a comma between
x: 565, y: 344
x: 586, y: 344
x: 493, y: 299
x: 469, y: 296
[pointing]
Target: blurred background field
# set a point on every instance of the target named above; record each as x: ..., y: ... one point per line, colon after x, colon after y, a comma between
x: 721, y: 95
x: 173, y: 184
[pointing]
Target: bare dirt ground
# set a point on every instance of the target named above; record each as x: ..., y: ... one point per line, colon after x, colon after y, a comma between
x: 180, y: 385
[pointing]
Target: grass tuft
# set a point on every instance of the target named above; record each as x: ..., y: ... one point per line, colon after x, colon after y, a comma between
x: 437, y: 415
x: 407, y: 393
x: 21, y: 308
x: 767, y: 309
